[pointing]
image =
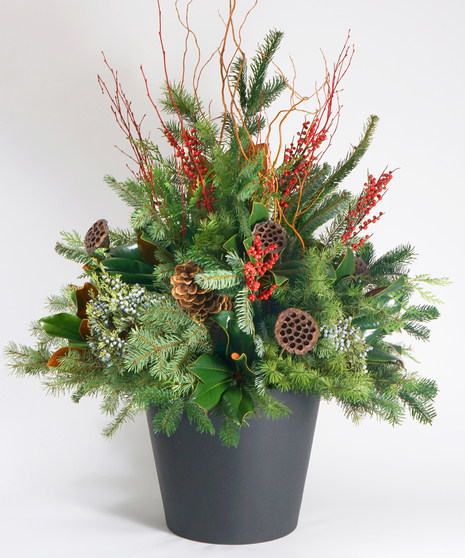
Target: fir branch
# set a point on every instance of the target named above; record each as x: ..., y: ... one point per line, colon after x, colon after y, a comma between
x: 216, y: 279
x: 200, y: 417
x: 168, y: 417
x: 229, y: 433
x: 244, y: 311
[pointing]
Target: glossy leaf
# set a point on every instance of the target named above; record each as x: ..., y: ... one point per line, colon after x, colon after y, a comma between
x: 149, y: 249
x: 383, y: 291
x: 238, y: 341
x: 232, y: 245
x: 130, y: 252
x: 237, y: 403
x: 347, y: 266
x: 57, y: 355
x: 63, y: 325
x: 377, y: 356
x: 215, y: 377
x: 124, y: 265
x: 242, y: 366
x: 259, y: 213
x: 279, y: 280
x: 84, y: 295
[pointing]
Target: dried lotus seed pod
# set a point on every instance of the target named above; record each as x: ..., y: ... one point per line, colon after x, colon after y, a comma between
x: 296, y: 331
x: 271, y: 233
x: 97, y: 236
x: 361, y: 267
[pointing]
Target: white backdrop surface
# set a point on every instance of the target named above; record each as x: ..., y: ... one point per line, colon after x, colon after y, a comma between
x: 372, y: 491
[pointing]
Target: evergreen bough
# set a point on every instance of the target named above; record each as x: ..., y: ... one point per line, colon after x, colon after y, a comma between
x: 122, y: 335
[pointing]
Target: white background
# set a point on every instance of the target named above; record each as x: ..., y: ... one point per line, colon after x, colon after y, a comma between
x: 372, y: 491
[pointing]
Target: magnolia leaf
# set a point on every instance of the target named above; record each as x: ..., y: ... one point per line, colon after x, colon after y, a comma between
x: 126, y: 265
x: 232, y: 245
x: 57, y: 356
x: 237, y: 403
x: 240, y: 362
x: 238, y: 341
x: 347, y: 266
x: 377, y: 356
x: 383, y: 291
x: 63, y: 325
x: 215, y: 377
x: 84, y: 295
x: 259, y: 213
x: 130, y: 252
x: 149, y: 249
x: 84, y: 329
x: 279, y: 280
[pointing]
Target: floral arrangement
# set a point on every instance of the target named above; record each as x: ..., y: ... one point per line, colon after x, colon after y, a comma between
x: 246, y: 268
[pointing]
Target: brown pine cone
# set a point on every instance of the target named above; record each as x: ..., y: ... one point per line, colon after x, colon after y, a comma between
x: 361, y: 267
x: 191, y: 297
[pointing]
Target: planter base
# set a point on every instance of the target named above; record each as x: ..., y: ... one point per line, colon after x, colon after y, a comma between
x: 242, y: 495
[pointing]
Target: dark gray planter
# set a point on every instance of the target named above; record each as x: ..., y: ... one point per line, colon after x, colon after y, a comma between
x: 242, y: 495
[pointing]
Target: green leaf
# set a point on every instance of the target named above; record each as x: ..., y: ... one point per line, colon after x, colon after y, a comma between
x: 238, y: 341
x: 131, y: 252
x: 63, y: 325
x: 398, y: 284
x: 237, y: 403
x: 215, y: 377
x: 279, y: 280
x: 346, y: 267
x: 242, y: 366
x: 259, y: 213
x: 232, y: 245
x: 125, y: 265
x: 376, y: 356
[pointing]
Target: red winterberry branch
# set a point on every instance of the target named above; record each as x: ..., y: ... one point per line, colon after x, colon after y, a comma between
x: 263, y: 261
x: 357, y: 218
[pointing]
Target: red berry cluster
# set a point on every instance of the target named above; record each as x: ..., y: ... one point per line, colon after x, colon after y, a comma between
x: 258, y: 268
x: 299, y: 158
x: 193, y: 163
x: 372, y: 194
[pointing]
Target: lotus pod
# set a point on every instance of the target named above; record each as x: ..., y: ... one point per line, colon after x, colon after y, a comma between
x: 271, y: 233
x: 97, y: 236
x: 296, y: 331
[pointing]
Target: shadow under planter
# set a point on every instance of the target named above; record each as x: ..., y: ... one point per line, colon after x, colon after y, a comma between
x: 242, y: 495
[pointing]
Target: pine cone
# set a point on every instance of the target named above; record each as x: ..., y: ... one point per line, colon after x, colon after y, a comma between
x: 361, y: 267
x: 296, y: 331
x: 219, y: 303
x: 97, y: 236
x: 271, y: 233
x: 196, y: 301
